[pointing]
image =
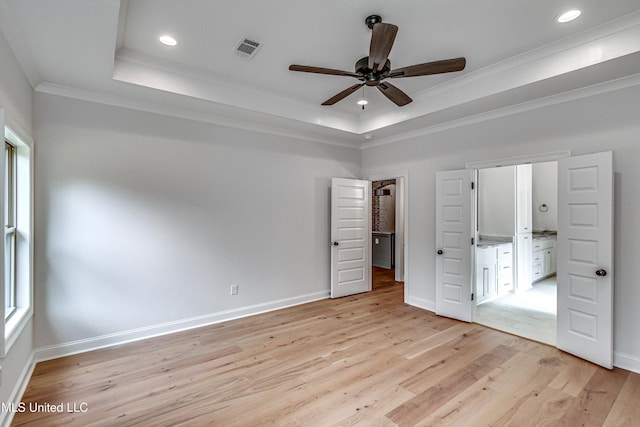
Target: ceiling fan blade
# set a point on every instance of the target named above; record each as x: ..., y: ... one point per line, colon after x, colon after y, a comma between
x: 382, y: 38
x: 396, y: 96
x: 342, y: 94
x: 318, y: 70
x: 435, y: 67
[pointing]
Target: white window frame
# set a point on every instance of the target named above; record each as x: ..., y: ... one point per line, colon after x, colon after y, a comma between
x: 12, y: 327
x: 10, y: 208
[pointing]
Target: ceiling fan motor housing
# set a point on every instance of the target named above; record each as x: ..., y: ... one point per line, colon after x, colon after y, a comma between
x: 370, y: 77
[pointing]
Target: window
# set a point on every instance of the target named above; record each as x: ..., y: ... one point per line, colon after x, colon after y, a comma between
x: 9, y: 229
x: 16, y: 254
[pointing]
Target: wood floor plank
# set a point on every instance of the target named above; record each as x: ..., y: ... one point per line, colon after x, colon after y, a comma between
x: 626, y: 409
x: 434, y: 397
x: 542, y: 409
x: 437, y: 339
x: 592, y: 406
x: 442, y: 361
x: 360, y: 392
x: 363, y: 360
x: 576, y: 375
x: 497, y: 395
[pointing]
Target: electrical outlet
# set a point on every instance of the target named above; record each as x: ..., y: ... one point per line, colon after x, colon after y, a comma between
x: 234, y: 289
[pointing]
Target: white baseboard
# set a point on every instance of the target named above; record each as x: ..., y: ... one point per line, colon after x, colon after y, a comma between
x: 18, y: 390
x: 626, y: 361
x: 94, y: 343
x: 422, y: 303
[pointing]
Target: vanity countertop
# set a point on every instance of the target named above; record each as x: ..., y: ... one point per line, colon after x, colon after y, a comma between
x: 485, y: 241
x: 544, y: 234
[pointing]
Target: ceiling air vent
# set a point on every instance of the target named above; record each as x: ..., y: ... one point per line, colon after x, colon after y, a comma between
x: 247, y: 48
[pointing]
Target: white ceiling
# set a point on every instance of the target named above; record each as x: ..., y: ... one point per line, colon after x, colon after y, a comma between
x: 108, y: 50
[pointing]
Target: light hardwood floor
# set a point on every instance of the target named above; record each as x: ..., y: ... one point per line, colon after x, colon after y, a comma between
x: 366, y: 360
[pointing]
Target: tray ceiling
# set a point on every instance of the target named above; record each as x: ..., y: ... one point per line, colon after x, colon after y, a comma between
x: 516, y: 53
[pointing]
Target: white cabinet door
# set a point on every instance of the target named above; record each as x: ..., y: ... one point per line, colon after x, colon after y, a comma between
x: 505, y: 268
x: 546, y: 262
x: 350, y: 237
x: 486, y: 274
x: 523, y: 199
x: 454, y: 225
x: 537, y: 269
x: 585, y: 257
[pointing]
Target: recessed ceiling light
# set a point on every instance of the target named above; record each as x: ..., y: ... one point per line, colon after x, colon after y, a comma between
x: 568, y: 16
x: 167, y: 40
x: 363, y: 102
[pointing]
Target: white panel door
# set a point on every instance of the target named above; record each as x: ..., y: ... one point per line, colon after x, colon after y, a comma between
x: 454, y: 225
x: 350, y: 237
x: 585, y: 257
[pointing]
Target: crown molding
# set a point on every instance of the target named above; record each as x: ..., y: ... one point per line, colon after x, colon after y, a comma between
x: 576, y: 94
x: 143, y: 70
x: 183, y: 113
x: 135, y: 104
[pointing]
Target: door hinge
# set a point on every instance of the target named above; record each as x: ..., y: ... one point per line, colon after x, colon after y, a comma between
x: 473, y: 185
x: 473, y: 241
x: 472, y: 297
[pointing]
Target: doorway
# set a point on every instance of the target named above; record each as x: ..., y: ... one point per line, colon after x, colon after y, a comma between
x: 388, y: 231
x: 515, y: 268
x: 584, y: 249
x: 351, y: 235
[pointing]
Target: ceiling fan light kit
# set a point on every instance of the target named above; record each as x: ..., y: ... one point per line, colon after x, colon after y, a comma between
x: 373, y: 69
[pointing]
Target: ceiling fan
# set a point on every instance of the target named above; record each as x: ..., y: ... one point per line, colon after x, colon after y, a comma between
x: 373, y: 69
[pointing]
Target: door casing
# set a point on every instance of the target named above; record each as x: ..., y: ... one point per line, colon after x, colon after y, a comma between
x: 403, y: 176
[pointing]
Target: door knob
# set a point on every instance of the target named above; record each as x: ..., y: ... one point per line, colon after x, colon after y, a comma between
x: 440, y: 252
x: 335, y: 243
x: 602, y: 272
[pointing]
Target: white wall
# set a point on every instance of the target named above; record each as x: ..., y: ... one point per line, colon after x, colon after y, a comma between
x: 604, y: 122
x: 15, y: 90
x: 145, y: 221
x: 16, y: 100
x: 497, y: 201
x: 544, y: 190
